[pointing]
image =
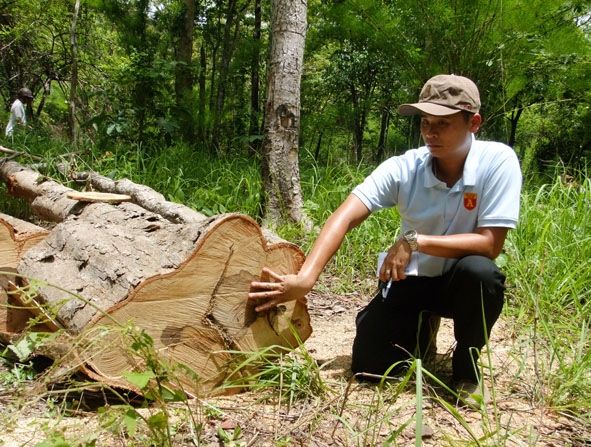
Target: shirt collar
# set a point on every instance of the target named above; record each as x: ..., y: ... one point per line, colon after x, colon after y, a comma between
x: 471, y: 165
x: 430, y: 180
x: 468, y: 176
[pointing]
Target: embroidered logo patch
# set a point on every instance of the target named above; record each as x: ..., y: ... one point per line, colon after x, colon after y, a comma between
x: 470, y: 200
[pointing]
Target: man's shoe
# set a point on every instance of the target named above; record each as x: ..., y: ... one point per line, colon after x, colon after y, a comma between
x: 473, y: 395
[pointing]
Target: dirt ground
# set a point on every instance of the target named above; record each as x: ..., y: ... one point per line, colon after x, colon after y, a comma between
x: 352, y: 414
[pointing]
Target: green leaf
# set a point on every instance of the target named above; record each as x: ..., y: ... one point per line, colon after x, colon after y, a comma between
x: 170, y: 395
x: 159, y: 419
x: 27, y: 345
x: 130, y: 420
x: 139, y: 379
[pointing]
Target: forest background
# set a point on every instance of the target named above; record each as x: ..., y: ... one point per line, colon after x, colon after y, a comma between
x: 155, y: 75
x: 170, y: 94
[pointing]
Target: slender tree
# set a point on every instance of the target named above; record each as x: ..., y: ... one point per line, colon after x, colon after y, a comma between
x: 255, y: 109
x: 74, y: 77
x: 281, y: 174
x: 230, y: 36
x: 183, y: 74
x: 202, y: 102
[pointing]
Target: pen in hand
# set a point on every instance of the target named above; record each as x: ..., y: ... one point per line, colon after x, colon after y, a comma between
x: 386, y: 288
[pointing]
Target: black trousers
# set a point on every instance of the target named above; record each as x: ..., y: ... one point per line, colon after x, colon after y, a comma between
x: 395, y: 329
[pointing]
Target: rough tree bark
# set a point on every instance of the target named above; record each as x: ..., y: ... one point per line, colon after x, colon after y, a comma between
x: 280, y: 171
x: 181, y: 277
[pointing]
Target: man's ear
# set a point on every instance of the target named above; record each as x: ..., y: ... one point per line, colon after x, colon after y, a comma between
x: 475, y: 122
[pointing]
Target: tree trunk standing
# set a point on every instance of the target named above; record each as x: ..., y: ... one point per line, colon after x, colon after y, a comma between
x: 46, y: 93
x: 359, y: 120
x: 255, y: 107
x: 143, y: 89
x: 74, y: 78
x: 280, y: 170
x: 385, y: 123
x: 202, y: 119
x: 227, y: 50
x: 184, y: 77
x: 513, y: 119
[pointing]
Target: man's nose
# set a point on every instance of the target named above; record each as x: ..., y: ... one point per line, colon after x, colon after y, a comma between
x: 429, y: 130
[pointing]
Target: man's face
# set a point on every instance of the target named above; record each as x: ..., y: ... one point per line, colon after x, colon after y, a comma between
x: 449, y: 136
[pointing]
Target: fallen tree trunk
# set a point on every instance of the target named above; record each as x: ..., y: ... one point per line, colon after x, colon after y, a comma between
x: 16, y: 237
x: 183, y: 279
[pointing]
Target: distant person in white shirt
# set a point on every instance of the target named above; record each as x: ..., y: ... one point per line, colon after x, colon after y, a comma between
x: 18, y: 116
x: 457, y: 197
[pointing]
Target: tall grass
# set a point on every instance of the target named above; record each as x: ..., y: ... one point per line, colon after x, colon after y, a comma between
x: 550, y: 273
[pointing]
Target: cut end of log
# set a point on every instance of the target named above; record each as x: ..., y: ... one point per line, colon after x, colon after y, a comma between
x: 200, y: 314
x: 16, y: 237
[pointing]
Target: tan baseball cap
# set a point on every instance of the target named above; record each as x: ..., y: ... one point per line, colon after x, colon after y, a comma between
x: 445, y: 95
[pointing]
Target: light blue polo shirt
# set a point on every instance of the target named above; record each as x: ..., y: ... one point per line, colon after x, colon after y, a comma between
x: 487, y: 195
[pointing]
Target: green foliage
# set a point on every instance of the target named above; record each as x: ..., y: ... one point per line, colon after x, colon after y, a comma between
x: 18, y: 373
x: 210, y: 185
x: 363, y: 58
x: 551, y: 289
x: 158, y: 383
x: 57, y: 438
x: 291, y: 374
x: 558, y: 130
x: 28, y: 344
x: 230, y: 439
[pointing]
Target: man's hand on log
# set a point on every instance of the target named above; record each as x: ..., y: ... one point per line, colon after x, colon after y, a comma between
x: 282, y: 289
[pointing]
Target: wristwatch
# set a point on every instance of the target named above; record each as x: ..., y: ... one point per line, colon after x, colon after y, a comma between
x: 411, y: 236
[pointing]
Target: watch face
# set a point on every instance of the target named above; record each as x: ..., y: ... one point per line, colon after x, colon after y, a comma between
x: 411, y: 237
